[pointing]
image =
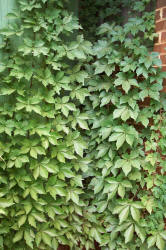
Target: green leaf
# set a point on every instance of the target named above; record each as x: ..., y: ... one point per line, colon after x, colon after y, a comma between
x: 126, y: 86
x: 160, y: 243
x: 43, y: 172
x: 124, y: 214
x: 32, y: 221
x: 12, y: 15
x: 60, y: 191
x: 81, y: 76
x: 22, y: 220
x: 18, y: 236
x: 55, y: 244
x: 130, y: 139
x: 95, y: 234
x: 114, y: 136
x: 6, y: 91
x: 83, y: 124
x: 78, y: 180
x: 51, y: 232
x: 4, y: 203
x: 33, y: 153
x: 39, y: 217
x: 28, y: 238
x: 75, y: 197
x: 105, y: 100
x: 121, y: 191
x: 46, y: 239
x: 103, y: 149
x: 105, y: 132
x: 151, y: 241
x: 141, y: 233
x: 6, y: 32
x: 118, y: 112
x: 163, y: 235
x: 120, y: 141
x: 126, y: 167
x: 126, y: 184
x: 149, y: 204
x: 101, y: 206
x: 61, y: 157
x: 129, y: 234
x: 99, y: 185
x: 79, y: 147
x: 135, y: 213
x: 38, y: 238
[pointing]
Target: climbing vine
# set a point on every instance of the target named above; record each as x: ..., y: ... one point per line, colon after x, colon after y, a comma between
x: 82, y: 128
x: 41, y: 126
x: 126, y: 139
x: 127, y: 143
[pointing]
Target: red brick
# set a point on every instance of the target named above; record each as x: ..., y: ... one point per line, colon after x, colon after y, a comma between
x: 164, y: 86
x: 157, y: 39
x: 158, y: 15
x: 163, y: 59
x: 163, y: 36
x: 157, y: 48
x: 161, y: 3
x: 164, y: 89
x: 164, y: 82
x: 160, y: 26
x: 164, y: 68
x: 164, y: 13
x: 161, y: 48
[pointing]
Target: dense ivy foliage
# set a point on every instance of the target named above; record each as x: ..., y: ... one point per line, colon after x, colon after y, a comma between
x: 127, y: 139
x: 42, y: 79
x: 92, y: 15
x: 82, y: 129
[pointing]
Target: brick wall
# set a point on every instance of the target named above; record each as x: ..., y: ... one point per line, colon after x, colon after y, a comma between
x: 160, y: 43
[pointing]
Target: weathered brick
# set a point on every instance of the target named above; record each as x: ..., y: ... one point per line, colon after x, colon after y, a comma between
x: 161, y: 26
x: 164, y: 82
x: 164, y: 89
x: 157, y: 38
x: 163, y: 58
x: 164, y: 86
x: 163, y: 36
x: 164, y: 68
x: 158, y: 15
x: 161, y: 48
x: 161, y: 3
x: 160, y: 43
x: 164, y: 12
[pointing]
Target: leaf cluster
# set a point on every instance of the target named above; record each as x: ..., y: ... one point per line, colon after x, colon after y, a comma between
x: 82, y: 129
